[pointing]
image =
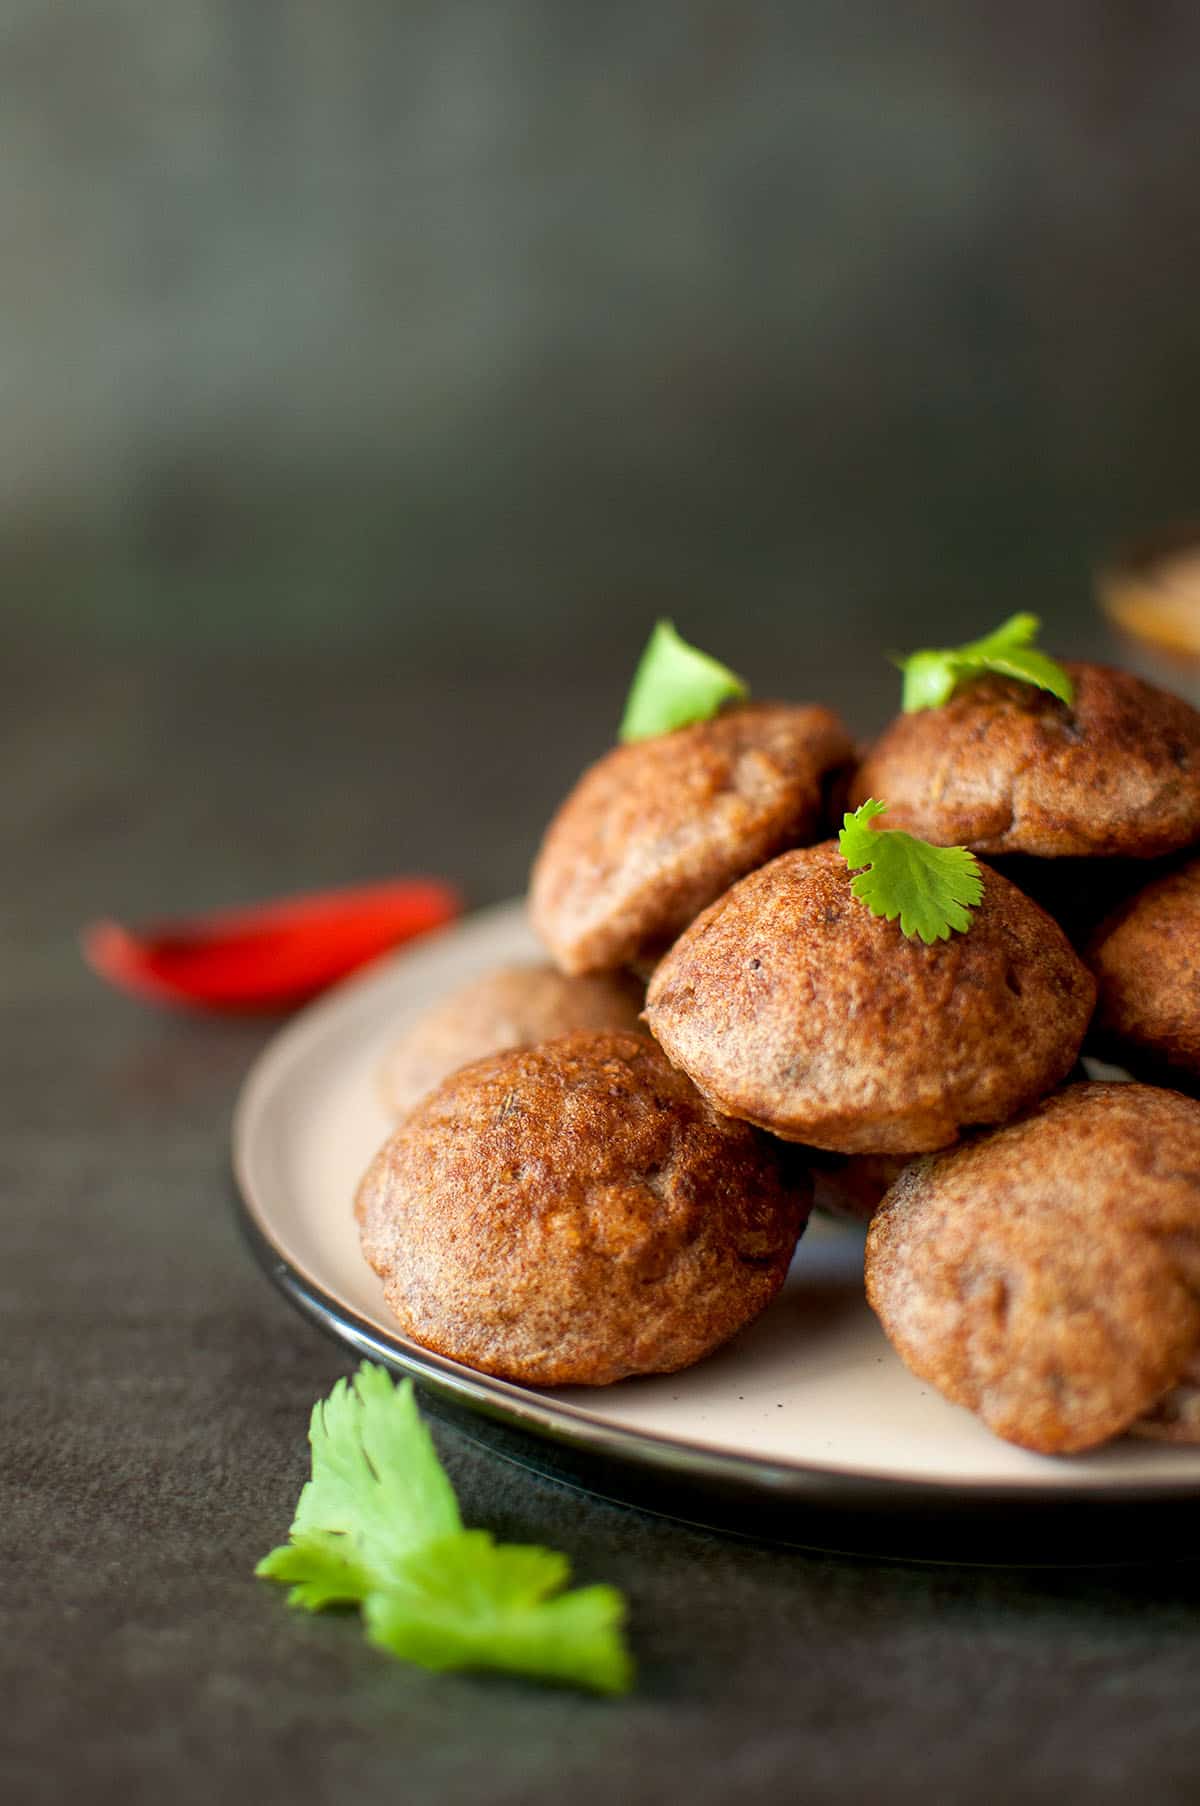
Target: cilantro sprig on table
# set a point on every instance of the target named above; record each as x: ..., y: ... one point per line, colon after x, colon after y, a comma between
x: 931, y: 678
x: 931, y: 889
x: 674, y: 685
x: 378, y: 1526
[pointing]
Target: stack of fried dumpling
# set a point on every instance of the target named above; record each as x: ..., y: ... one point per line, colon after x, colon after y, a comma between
x: 566, y: 1200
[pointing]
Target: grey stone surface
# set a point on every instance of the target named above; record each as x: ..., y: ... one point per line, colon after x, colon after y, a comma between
x: 156, y: 1390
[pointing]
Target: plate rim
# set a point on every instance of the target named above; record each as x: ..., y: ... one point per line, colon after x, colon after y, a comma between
x: 573, y: 1426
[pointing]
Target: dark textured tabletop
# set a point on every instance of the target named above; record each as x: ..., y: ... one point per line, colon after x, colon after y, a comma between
x: 156, y: 1389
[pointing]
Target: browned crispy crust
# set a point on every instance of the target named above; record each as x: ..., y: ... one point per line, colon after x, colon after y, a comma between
x: 791, y: 1006
x: 1146, y: 957
x: 658, y: 828
x: 515, y: 1006
x: 1006, y: 768
x: 574, y: 1213
x: 1047, y: 1275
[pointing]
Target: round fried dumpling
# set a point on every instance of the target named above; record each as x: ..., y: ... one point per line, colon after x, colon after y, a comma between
x: 791, y: 1006
x: 1006, y: 768
x: 515, y: 1006
x: 660, y: 827
x: 1147, y: 960
x: 1047, y: 1274
x: 573, y: 1213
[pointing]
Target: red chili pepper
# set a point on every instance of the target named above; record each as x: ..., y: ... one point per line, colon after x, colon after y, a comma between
x: 268, y: 956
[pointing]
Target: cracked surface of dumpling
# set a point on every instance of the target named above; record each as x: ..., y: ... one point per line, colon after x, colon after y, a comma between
x: 574, y: 1213
x: 1006, y: 768
x: 658, y: 828
x: 1047, y: 1274
x: 791, y: 1006
x: 514, y: 1006
x: 1146, y: 957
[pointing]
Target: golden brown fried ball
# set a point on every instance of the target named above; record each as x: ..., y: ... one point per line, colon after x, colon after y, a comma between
x: 1147, y: 960
x: 1007, y: 768
x: 660, y: 827
x: 573, y: 1213
x: 791, y: 1006
x: 1047, y: 1274
x: 516, y: 1006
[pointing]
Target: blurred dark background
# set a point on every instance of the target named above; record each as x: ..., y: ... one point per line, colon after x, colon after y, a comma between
x: 508, y: 324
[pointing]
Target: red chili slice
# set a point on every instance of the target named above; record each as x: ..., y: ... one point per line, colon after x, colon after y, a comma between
x: 269, y: 956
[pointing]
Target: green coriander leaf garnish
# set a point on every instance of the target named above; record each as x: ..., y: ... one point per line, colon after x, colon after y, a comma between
x: 931, y: 678
x: 674, y: 685
x: 377, y: 1491
x: 378, y: 1526
x: 469, y: 1602
x: 930, y: 888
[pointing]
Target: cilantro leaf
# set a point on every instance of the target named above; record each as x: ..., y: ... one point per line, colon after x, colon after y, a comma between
x: 930, y: 888
x: 321, y: 1566
x: 674, y: 685
x: 378, y: 1526
x: 375, y: 1472
x: 931, y: 678
x: 469, y: 1602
